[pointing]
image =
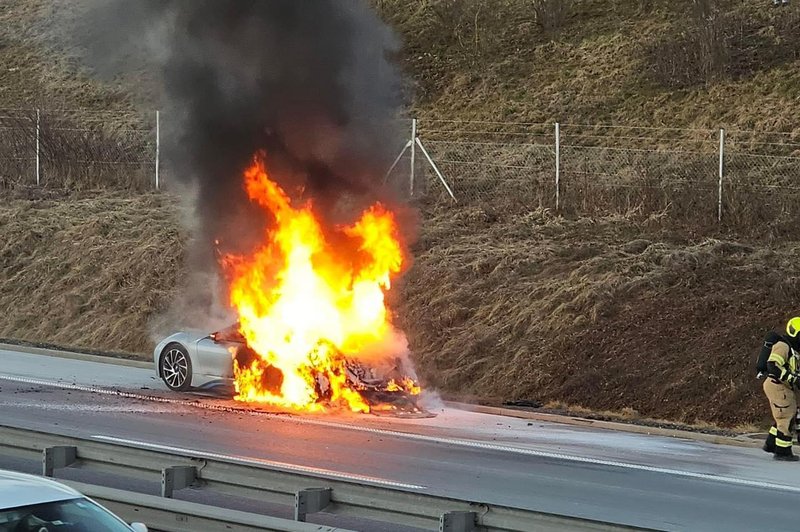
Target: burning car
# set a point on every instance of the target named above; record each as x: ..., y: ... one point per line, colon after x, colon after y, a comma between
x: 314, y: 330
x: 187, y: 360
x: 192, y: 359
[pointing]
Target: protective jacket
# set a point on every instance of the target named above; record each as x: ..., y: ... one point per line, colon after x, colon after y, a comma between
x: 780, y: 387
x: 783, y: 363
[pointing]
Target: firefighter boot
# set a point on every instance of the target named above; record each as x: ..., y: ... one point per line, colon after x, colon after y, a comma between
x: 784, y: 453
x: 783, y: 448
x: 769, y: 445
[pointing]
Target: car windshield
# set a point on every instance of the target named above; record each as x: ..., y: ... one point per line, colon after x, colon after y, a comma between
x: 74, y: 515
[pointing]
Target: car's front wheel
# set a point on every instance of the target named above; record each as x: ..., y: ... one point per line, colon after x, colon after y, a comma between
x: 175, y: 368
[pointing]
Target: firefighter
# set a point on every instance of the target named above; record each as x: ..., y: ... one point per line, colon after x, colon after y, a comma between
x: 780, y: 386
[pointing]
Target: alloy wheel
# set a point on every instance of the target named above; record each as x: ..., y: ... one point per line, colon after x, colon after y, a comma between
x: 175, y: 368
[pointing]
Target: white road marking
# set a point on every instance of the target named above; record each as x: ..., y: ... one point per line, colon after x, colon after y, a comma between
x: 94, y: 407
x: 560, y: 456
x: 110, y: 391
x: 420, y: 437
x: 258, y: 461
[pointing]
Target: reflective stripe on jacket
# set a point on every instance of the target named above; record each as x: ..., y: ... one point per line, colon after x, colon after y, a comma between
x: 783, y: 363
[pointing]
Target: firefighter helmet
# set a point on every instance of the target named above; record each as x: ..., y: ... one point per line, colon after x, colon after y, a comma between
x: 793, y: 327
x: 793, y: 332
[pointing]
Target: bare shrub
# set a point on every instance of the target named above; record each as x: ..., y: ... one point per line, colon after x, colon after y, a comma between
x: 699, y: 54
x: 644, y: 6
x: 551, y: 14
x: 716, y: 40
x: 474, y: 26
x: 788, y: 31
x: 713, y: 31
x: 453, y: 18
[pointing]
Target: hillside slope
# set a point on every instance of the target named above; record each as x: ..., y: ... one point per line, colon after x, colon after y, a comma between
x: 606, y: 312
x: 617, y: 61
x: 90, y: 272
x: 620, y: 61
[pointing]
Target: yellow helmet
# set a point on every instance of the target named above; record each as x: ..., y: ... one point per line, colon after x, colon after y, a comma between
x: 793, y: 327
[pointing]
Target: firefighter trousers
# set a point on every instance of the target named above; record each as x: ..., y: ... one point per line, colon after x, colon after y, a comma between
x: 783, y: 403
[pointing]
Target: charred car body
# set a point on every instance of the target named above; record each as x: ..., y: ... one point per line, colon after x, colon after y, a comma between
x: 196, y: 360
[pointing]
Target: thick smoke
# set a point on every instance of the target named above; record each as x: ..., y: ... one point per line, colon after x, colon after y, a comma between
x: 310, y: 82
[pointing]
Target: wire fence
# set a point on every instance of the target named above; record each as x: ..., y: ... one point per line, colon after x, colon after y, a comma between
x: 77, y: 149
x: 737, y: 176
x: 711, y: 174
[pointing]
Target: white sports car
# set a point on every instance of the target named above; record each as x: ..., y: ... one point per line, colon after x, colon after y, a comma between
x: 187, y: 360
x: 194, y: 359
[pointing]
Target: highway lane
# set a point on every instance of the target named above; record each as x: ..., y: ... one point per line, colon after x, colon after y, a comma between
x: 648, y: 481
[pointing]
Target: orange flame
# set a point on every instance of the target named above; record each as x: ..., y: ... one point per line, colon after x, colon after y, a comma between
x: 306, y: 305
x: 405, y: 384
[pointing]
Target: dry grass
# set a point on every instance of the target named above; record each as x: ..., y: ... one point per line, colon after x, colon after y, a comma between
x: 608, y: 313
x: 88, y: 272
x: 600, y: 66
x: 630, y: 415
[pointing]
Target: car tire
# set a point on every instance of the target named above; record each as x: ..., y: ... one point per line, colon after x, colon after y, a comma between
x: 175, y: 368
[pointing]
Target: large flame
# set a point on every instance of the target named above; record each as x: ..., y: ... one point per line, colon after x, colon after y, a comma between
x: 310, y: 299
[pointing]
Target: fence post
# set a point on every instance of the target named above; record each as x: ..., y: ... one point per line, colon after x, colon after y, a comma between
x: 38, y: 160
x: 158, y: 145
x: 413, y: 156
x: 721, y: 173
x: 558, y: 166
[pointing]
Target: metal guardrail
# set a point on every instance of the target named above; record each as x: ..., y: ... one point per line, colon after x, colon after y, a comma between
x: 171, y: 515
x: 306, y: 492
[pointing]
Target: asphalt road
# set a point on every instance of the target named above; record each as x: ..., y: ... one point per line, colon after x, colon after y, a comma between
x: 657, y: 482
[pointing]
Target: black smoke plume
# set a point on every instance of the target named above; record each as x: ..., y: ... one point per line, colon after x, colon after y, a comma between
x: 308, y: 81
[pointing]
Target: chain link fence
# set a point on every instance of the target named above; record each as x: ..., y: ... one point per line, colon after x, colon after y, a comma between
x: 762, y: 177
x: 709, y: 174
x: 481, y: 160
x: 649, y: 171
x: 78, y: 149
x: 17, y: 147
x: 732, y: 176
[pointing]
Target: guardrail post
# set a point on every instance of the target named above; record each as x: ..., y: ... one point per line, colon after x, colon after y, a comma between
x: 458, y: 522
x: 310, y: 501
x: 57, y: 457
x: 176, y: 478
